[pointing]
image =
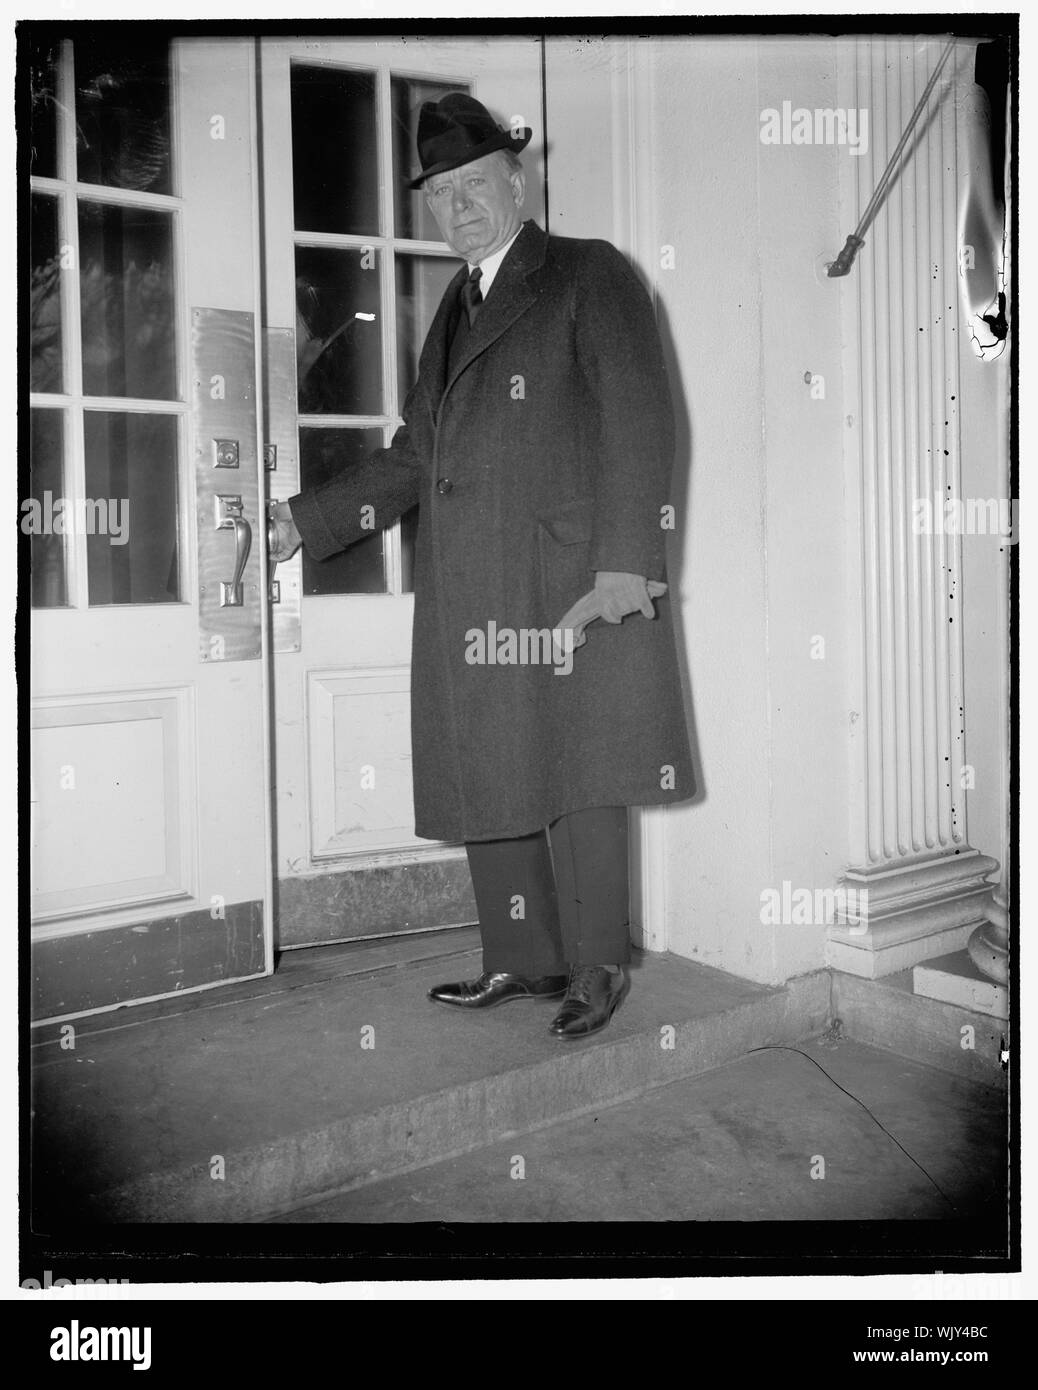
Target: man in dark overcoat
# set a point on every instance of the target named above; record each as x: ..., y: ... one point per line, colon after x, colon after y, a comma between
x: 538, y: 444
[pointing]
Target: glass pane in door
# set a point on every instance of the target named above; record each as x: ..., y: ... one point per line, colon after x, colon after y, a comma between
x: 42, y: 59
x: 360, y: 569
x: 123, y: 112
x: 47, y: 490
x: 338, y: 331
x: 420, y: 285
x: 45, y: 337
x: 130, y: 512
x: 127, y: 304
x: 334, y: 150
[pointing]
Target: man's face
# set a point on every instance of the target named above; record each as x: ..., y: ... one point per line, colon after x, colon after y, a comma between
x: 476, y: 206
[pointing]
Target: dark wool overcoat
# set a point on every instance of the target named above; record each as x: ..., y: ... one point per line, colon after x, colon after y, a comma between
x: 543, y: 455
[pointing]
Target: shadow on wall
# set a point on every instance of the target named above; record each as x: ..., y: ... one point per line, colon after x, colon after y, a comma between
x: 681, y: 488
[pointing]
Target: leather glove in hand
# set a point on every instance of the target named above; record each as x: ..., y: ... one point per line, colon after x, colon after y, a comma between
x: 614, y: 596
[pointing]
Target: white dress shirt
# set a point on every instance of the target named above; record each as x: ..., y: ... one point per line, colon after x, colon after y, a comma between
x: 492, y: 265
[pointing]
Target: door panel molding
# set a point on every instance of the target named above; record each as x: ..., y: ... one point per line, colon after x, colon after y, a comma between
x: 136, y: 770
x: 359, y: 759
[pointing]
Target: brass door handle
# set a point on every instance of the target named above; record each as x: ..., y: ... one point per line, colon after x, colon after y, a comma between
x: 229, y: 517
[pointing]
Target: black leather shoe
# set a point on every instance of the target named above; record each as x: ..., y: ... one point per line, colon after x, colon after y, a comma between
x: 593, y: 996
x: 496, y: 988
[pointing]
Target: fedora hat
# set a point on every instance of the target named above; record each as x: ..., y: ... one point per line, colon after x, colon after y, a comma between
x: 458, y: 129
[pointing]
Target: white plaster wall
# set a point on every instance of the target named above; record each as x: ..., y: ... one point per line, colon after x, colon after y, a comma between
x: 655, y: 143
x: 762, y: 567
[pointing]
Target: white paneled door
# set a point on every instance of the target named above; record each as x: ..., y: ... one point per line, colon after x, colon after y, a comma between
x: 150, y: 853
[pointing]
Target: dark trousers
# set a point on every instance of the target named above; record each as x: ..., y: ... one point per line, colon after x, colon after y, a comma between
x: 556, y: 898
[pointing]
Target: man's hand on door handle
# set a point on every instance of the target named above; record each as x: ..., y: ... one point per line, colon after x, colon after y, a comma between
x: 285, y: 540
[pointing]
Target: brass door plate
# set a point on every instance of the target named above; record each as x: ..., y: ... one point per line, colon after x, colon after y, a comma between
x: 223, y: 426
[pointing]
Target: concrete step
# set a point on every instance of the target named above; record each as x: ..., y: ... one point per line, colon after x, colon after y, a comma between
x: 243, y: 1102
x: 954, y: 979
x: 888, y: 1013
x: 768, y: 1137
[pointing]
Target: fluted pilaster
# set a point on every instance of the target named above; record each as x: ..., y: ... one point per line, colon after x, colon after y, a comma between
x: 926, y: 888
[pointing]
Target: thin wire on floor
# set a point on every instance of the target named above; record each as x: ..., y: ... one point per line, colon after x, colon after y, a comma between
x: 779, y: 1047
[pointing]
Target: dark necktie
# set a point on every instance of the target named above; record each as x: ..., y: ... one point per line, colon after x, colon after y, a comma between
x: 472, y: 296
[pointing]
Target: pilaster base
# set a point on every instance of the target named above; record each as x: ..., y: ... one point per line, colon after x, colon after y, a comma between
x: 989, y: 945
x: 910, y: 912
